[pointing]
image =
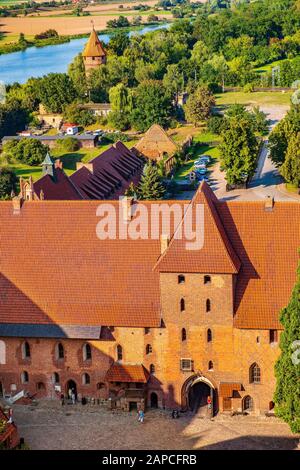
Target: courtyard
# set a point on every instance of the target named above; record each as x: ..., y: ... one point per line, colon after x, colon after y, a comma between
x: 53, y: 427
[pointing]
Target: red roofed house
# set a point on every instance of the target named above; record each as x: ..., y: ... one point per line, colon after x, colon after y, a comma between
x: 146, y: 321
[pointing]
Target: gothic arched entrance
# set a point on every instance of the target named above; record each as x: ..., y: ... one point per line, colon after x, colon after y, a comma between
x: 71, y: 385
x: 199, y: 396
x: 153, y: 400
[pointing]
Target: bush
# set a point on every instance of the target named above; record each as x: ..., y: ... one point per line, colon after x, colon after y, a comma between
x: 30, y: 151
x: 70, y: 144
x: 119, y: 120
x: 50, y: 33
x: 215, y: 124
x: 8, y: 183
x: 248, y: 88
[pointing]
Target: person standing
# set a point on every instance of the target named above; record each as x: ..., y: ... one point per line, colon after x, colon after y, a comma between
x: 141, y: 416
x: 73, y: 397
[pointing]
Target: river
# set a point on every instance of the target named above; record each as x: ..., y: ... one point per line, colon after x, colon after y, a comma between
x: 39, y: 61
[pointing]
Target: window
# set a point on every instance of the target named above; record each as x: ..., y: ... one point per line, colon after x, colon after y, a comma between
x: 209, y: 335
x: 210, y: 365
x: 208, y: 305
x: 181, y: 279
x: 86, y: 379
x: 2, y: 352
x: 257, y: 339
x: 248, y: 403
x: 24, y: 377
x: 100, y: 385
x: 40, y: 386
x: 147, y: 331
x: 207, y: 279
x: 119, y: 353
x: 183, y: 334
x: 182, y: 305
x: 152, y: 369
x: 25, y: 350
x: 186, y: 364
x: 254, y: 374
x: 273, y: 336
x: 60, y: 353
x: 55, y: 378
x: 87, y: 352
x: 148, y: 349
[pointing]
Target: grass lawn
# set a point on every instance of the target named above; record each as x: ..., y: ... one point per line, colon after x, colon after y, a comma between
x: 13, y: 38
x: 197, y: 150
x: 69, y: 160
x: 259, y: 98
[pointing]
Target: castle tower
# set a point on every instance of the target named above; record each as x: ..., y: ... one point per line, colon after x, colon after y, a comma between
x: 94, y: 53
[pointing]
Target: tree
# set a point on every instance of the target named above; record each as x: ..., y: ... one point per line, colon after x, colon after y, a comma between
x: 76, y: 72
x: 173, y: 80
x: 282, y: 134
x: 55, y: 91
x: 119, y: 42
x: 22, y: 41
x: 290, y: 169
x: 238, y: 150
x: 150, y: 187
x: 83, y: 117
x: 13, y: 117
x: 8, y: 182
x: 120, y: 98
x: 29, y: 151
x: 152, y: 104
x: 287, y: 368
x: 199, y: 105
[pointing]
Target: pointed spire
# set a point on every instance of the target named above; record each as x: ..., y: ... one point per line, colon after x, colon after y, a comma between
x: 48, y: 165
x: 94, y: 47
x: 47, y: 160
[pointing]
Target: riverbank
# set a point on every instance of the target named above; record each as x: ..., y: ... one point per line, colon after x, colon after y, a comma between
x: 17, y: 47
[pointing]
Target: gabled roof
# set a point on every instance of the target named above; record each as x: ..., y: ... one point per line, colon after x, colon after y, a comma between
x: 58, y: 188
x: 215, y: 255
x: 93, y: 47
x: 155, y: 143
x: 127, y: 373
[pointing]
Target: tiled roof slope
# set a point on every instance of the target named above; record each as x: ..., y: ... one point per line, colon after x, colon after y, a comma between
x: 127, y: 373
x: 215, y: 256
x: 58, y: 188
x: 93, y: 47
x: 155, y: 143
x: 112, y: 172
x: 267, y: 243
x: 55, y: 270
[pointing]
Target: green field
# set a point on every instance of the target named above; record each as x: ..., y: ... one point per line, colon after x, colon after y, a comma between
x: 258, y: 98
x: 197, y: 150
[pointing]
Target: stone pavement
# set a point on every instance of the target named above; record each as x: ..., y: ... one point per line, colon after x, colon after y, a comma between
x: 77, y: 427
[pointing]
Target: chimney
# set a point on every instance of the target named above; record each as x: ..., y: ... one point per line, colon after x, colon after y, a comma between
x: 127, y: 208
x: 58, y: 164
x: 269, y: 203
x: 164, y: 242
x: 17, y: 204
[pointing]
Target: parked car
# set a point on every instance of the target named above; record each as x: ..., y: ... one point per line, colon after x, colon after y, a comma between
x: 202, y: 171
x: 205, y: 158
x: 200, y: 166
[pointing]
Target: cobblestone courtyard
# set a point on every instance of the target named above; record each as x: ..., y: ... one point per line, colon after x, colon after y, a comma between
x: 93, y: 428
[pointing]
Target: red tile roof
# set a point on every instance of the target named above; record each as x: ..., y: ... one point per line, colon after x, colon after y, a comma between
x: 54, y: 269
x: 58, y: 188
x: 127, y: 373
x: 215, y: 256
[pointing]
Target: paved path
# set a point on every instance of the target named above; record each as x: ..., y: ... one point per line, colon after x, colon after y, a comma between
x: 97, y: 428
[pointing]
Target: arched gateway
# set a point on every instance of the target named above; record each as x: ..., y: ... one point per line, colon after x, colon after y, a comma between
x: 197, y: 392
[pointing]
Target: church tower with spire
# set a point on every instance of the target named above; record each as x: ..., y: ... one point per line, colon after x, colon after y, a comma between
x: 94, y: 53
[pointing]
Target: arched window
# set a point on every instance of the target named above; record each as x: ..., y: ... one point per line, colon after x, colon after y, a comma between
x: 181, y: 279
x: 182, y: 305
x: 24, y: 377
x: 209, y: 335
x: 183, y: 334
x: 55, y: 378
x: 147, y: 331
x: 2, y: 352
x: 86, y: 379
x: 148, y: 349
x: 25, y: 350
x: 100, y: 385
x: 210, y: 365
x: 60, y: 353
x: 247, y: 403
x: 87, y: 352
x: 208, y: 305
x: 271, y: 405
x: 119, y: 353
x: 254, y: 374
x: 207, y: 279
x: 152, y: 369
x: 40, y: 386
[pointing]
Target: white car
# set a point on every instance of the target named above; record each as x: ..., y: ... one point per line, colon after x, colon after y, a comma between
x: 200, y: 165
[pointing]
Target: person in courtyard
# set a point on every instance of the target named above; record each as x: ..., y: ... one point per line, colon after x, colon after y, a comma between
x: 209, y: 403
x: 62, y: 399
x: 141, y: 416
x: 73, y: 397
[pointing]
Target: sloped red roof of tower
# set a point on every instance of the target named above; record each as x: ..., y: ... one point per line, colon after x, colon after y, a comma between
x: 214, y: 252
x: 93, y: 47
